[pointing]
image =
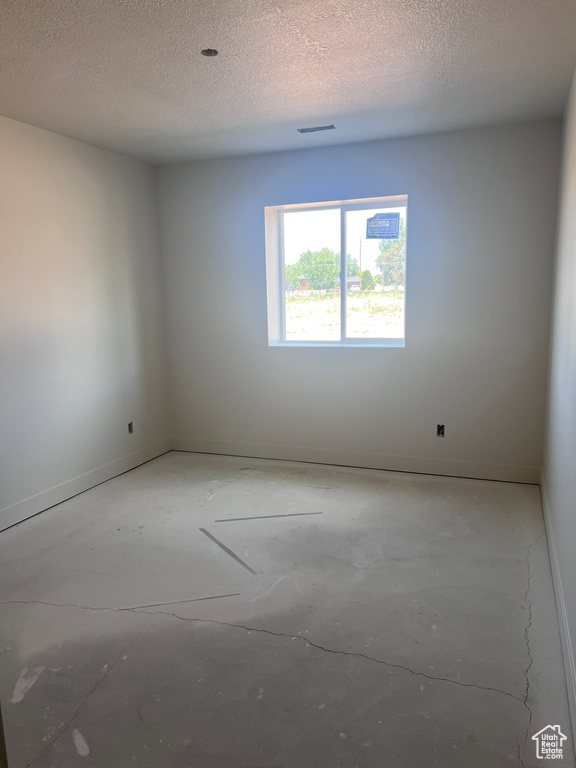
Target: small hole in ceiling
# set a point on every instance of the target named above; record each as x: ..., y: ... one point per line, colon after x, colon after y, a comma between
x: 209, y: 52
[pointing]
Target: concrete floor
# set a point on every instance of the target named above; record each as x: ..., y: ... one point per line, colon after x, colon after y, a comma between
x: 375, y: 619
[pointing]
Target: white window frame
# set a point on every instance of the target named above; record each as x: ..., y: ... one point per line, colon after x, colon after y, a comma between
x: 274, y: 224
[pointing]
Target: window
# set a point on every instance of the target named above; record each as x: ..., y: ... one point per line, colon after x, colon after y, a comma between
x: 336, y: 273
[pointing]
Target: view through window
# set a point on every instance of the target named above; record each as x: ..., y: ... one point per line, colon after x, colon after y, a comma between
x: 355, y: 300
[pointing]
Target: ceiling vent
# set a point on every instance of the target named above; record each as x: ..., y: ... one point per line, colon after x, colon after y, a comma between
x: 316, y: 128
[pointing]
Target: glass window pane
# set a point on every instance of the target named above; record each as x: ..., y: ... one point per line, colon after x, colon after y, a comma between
x: 312, y: 275
x: 376, y: 278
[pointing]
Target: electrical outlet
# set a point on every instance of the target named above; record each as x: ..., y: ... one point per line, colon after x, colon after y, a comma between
x: 130, y: 427
x: 439, y: 430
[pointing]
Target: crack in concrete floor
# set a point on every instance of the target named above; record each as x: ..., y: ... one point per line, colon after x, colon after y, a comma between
x: 96, y: 685
x: 307, y: 641
x: 522, y: 699
x: 270, y: 632
x: 356, y: 654
x: 528, y: 603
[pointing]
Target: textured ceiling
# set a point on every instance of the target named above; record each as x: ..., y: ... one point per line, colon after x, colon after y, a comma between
x: 127, y: 75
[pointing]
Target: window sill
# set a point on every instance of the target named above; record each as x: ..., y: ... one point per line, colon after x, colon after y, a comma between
x: 390, y: 343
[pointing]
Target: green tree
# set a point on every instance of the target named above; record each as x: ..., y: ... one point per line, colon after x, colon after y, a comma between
x: 367, y: 280
x: 321, y: 269
x: 392, y: 259
x: 292, y: 275
x: 352, y: 266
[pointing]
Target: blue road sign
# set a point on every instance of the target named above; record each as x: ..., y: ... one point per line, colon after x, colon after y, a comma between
x: 383, y: 226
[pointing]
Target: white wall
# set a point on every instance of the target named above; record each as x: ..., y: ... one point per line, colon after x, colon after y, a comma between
x: 81, y: 322
x: 482, y: 210
x: 559, y: 475
x: 81, y: 327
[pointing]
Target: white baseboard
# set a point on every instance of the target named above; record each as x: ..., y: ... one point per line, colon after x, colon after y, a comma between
x: 567, y: 644
x: 452, y: 468
x: 21, y: 510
